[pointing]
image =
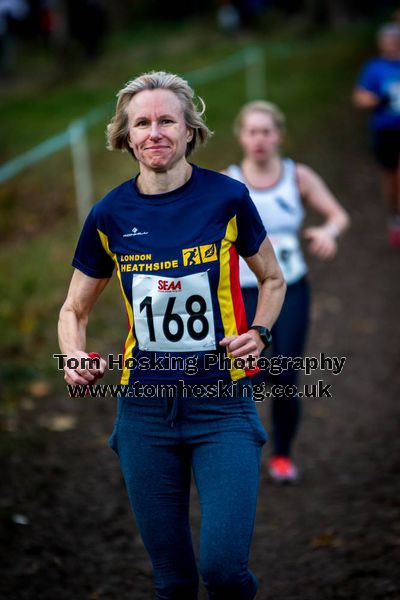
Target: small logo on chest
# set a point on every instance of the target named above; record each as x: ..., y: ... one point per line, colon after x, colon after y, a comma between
x: 135, y: 231
x: 285, y: 205
x: 199, y: 254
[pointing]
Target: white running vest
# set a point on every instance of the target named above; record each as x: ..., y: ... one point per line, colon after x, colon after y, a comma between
x: 282, y: 213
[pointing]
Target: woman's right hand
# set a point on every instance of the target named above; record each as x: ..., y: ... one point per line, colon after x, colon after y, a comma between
x: 74, y: 315
x: 83, y: 374
x: 322, y: 244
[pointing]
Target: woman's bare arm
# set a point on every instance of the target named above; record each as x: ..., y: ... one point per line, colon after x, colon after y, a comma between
x: 74, y: 315
x: 363, y: 98
x: 317, y: 196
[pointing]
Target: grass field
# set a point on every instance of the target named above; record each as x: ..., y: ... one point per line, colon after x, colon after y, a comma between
x: 309, y: 76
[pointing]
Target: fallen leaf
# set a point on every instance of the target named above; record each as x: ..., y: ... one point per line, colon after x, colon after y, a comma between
x: 39, y: 388
x: 327, y: 539
x: 364, y: 326
x: 59, y: 422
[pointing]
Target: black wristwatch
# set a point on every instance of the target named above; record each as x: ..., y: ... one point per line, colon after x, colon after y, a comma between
x: 265, y: 335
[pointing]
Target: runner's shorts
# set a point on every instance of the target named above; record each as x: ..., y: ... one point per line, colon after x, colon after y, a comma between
x: 386, y: 148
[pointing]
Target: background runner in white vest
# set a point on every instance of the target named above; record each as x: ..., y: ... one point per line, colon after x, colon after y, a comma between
x: 282, y: 191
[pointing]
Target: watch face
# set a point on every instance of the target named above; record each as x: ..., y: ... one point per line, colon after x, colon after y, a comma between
x: 266, y: 337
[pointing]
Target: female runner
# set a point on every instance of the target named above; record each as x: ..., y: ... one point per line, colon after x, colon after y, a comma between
x: 282, y: 191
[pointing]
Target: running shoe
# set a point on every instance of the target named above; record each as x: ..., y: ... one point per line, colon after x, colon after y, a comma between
x: 282, y: 469
x: 394, y: 231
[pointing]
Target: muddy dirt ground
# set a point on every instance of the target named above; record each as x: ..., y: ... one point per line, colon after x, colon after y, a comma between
x: 335, y: 535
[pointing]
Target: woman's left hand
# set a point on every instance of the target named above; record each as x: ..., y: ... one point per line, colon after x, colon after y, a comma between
x: 322, y: 243
x: 244, y: 345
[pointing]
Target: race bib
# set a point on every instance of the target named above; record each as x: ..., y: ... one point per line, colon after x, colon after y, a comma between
x: 289, y: 256
x: 394, y: 96
x: 173, y: 314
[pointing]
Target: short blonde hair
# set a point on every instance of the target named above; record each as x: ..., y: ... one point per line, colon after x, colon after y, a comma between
x: 259, y: 106
x: 118, y: 128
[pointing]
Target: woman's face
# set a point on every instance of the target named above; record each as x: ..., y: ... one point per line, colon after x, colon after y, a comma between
x: 389, y: 46
x: 259, y: 136
x: 158, y: 134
